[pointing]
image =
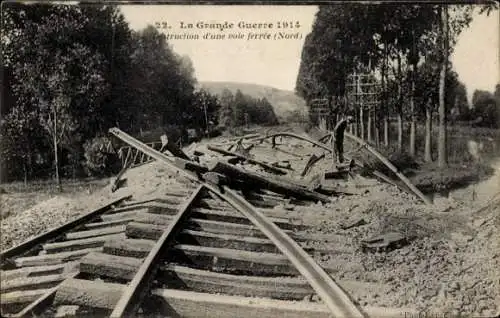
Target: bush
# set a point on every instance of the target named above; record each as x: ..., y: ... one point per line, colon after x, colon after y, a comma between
x: 98, y: 161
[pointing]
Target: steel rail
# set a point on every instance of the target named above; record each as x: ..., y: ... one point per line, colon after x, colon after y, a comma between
x: 55, y: 232
x: 135, y: 291
x: 332, y: 295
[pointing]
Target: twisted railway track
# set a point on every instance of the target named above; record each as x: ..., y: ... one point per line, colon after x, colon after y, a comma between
x: 198, y: 250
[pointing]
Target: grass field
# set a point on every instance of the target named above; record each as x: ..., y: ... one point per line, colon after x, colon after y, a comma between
x: 17, y: 196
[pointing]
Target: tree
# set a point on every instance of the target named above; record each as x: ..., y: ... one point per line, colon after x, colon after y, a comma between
x: 162, y: 81
x: 206, y: 108
x: 442, y: 151
x: 225, y: 113
x: 57, y: 78
x: 486, y: 108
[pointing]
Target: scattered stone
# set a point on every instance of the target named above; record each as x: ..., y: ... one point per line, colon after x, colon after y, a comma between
x: 356, y: 223
x: 66, y: 311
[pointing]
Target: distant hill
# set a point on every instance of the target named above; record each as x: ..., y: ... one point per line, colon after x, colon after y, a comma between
x: 283, y: 102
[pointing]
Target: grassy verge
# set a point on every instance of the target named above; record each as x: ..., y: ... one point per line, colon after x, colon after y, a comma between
x: 16, y: 197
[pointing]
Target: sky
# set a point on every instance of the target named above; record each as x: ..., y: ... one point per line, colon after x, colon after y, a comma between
x: 275, y: 62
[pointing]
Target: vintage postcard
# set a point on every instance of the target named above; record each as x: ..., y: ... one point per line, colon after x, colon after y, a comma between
x: 226, y: 159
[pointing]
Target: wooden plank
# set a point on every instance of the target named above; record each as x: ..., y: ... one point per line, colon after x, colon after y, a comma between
x: 88, y: 293
x: 285, y: 287
x: 245, y: 243
x: 51, y: 259
x: 34, y: 271
x: 21, y: 297
x: 119, y: 216
x: 129, y: 247
x: 36, y: 307
x: 192, y: 304
x: 29, y: 283
x: 151, y: 218
x: 170, y: 145
x: 97, y: 232
x: 138, y: 230
x: 100, y: 225
x: 250, y: 286
x: 128, y: 208
x: 72, y: 245
x: 231, y: 260
x: 150, y: 231
x: 168, y: 207
x: 179, y: 303
x: 110, y: 265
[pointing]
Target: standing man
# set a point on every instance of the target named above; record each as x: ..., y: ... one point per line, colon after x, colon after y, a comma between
x: 339, y: 137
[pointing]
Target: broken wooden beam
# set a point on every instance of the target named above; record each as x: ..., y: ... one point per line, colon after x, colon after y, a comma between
x: 169, y: 144
x: 264, y: 165
x: 38, y: 271
x: 190, y: 165
x: 231, y: 260
x: 88, y: 293
x: 189, y: 304
x: 36, y: 282
x: 117, y: 182
x: 110, y: 265
x: 96, y: 232
x: 22, y: 297
x: 250, y: 286
x: 73, y: 245
x: 52, y: 259
x: 311, y: 162
x: 273, y: 183
x: 129, y: 247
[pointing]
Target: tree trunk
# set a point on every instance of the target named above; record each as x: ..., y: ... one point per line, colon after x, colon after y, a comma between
x: 386, y: 131
x: 369, y: 128
x: 412, y: 112
x: 361, y: 123
x: 56, y: 158
x: 376, y: 116
x: 385, y: 107
x: 400, y: 105
x: 428, y: 135
x: 25, y: 175
x: 442, y: 154
x: 400, y: 131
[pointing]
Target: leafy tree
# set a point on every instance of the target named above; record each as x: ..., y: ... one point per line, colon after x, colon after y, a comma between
x: 206, y: 108
x: 226, y: 112
x: 161, y: 82
x: 57, y: 78
x: 486, y: 107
